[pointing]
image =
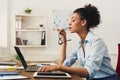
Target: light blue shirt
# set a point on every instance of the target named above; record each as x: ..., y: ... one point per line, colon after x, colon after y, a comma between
x: 96, y: 60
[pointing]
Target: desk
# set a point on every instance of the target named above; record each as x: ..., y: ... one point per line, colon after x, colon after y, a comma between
x: 30, y: 75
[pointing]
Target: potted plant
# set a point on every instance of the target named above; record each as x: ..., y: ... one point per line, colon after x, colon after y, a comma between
x: 28, y: 10
x: 17, y: 60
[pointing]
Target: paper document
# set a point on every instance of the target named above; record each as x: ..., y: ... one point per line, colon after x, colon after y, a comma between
x: 5, y: 67
x: 13, y: 77
x: 7, y: 63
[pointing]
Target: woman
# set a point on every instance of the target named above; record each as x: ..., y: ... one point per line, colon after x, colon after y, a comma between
x: 91, y: 51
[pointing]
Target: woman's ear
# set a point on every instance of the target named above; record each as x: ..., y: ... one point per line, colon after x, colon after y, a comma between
x: 84, y: 22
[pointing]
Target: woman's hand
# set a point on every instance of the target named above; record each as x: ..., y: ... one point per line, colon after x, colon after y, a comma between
x: 48, y: 68
x: 62, y: 34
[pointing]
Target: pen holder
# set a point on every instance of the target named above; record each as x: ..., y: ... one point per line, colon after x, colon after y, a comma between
x: 25, y: 42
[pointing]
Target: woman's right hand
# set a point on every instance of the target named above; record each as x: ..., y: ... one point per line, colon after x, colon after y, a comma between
x: 62, y: 34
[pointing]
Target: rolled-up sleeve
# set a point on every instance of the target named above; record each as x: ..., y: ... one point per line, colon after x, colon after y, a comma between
x: 71, y: 59
x: 94, y: 61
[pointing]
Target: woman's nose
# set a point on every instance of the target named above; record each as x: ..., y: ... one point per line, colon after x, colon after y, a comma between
x: 70, y: 24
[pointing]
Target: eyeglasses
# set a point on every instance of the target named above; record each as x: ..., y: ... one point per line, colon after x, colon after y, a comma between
x: 60, y: 42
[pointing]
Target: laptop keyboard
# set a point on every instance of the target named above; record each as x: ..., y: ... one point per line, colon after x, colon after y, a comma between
x: 33, y: 68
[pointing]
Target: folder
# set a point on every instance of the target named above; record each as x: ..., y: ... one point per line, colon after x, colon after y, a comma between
x: 11, y: 75
x: 43, y: 38
x: 6, y: 73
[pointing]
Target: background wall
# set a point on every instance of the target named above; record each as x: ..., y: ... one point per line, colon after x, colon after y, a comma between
x: 3, y: 21
x: 4, y: 33
x: 108, y: 29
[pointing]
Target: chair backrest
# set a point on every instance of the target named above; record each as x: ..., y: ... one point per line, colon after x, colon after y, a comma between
x: 118, y: 62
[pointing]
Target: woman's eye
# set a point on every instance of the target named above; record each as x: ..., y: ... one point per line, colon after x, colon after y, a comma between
x: 73, y: 20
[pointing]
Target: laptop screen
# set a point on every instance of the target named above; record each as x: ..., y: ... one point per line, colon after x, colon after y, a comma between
x: 21, y: 57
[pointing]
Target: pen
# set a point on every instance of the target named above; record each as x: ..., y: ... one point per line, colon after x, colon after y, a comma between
x: 64, y: 29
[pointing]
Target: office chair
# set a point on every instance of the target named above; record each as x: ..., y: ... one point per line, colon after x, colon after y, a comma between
x: 118, y: 62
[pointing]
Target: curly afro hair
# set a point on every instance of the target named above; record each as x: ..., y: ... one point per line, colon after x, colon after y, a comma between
x: 91, y: 14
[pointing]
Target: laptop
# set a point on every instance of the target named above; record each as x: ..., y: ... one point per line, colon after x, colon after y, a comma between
x: 35, y: 68
x: 26, y: 67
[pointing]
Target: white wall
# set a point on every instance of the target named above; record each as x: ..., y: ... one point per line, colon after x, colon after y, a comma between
x: 108, y: 30
x: 4, y: 30
x: 3, y: 23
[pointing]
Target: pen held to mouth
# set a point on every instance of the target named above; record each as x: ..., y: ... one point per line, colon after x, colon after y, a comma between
x: 67, y: 28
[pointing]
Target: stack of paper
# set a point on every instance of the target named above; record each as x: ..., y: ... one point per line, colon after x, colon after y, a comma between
x: 7, y: 63
x: 5, y: 67
x: 11, y: 75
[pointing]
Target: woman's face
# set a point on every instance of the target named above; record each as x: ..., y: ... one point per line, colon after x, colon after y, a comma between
x: 75, y: 23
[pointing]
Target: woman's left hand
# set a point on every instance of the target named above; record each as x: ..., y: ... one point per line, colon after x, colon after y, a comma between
x: 48, y: 68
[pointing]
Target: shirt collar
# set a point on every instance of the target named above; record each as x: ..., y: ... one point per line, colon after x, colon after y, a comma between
x: 88, y: 37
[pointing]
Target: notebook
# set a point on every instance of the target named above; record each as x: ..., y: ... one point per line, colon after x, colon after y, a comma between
x: 7, y: 63
x: 7, y: 75
x: 26, y: 67
x: 14, y: 77
x: 52, y: 75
